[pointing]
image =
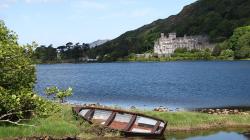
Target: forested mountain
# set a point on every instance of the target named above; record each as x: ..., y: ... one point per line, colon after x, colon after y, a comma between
x: 215, y: 18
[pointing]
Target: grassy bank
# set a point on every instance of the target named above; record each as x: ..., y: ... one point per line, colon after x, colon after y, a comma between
x: 63, y: 124
x: 188, y: 121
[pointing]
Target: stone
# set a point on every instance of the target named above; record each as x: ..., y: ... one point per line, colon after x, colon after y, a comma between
x: 236, y: 111
x: 161, y: 109
x: 217, y: 110
x: 244, y: 113
x: 132, y: 107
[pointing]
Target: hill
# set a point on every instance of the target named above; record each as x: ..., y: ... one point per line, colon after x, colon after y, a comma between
x: 215, y: 18
x: 97, y: 43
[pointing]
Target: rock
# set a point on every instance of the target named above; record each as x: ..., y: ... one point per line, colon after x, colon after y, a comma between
x: 46, y: 138
x: 204, y: 110
x: 132, y: 107
x: 236, y: 111
x: 225, y: 112
x: 211, y: 110
x: 161, y: 109
x: 217, y: 110
x: 244, y: 113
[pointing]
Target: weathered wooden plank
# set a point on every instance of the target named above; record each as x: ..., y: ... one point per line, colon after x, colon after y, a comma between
x: 156, y: 127
x: 131, y: 123
x: 110, y: 119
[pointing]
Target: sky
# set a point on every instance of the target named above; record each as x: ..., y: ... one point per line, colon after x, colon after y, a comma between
x: 60, y: 21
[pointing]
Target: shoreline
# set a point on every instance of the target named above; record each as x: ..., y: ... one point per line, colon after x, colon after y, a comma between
x: 169, y: 108
x: 64, y: 124
x: 131, y: 61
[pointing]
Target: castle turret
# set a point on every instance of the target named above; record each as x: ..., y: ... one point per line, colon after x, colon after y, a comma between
x: 162, y: 35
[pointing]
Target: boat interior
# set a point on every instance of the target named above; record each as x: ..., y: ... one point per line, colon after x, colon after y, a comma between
x: 123, y: 121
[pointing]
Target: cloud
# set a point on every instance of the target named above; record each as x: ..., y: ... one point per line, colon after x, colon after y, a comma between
x: 4, y: 4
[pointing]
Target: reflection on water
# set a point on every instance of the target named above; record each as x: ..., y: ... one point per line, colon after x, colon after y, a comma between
x: 229, y: 134
x: 221, y: 136
x: 233, y: 134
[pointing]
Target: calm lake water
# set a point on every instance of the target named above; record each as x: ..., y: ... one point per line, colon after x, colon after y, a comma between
x: 232, y: 134
x: 171, y: 84
x: 200, y: 135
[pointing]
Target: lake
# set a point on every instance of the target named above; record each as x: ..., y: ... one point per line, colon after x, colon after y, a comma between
x: 190, y: 84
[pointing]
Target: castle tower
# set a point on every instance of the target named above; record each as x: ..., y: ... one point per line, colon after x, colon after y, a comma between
x: 162, y: 35
x: 172, y: 35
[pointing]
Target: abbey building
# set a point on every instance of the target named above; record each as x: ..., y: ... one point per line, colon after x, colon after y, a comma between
x: 166, y: 45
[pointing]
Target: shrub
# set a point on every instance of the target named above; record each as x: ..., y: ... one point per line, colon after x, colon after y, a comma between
x: 57, y: 93
x: 227, y: 53
x: 180, y: 50
x: 17, y: 79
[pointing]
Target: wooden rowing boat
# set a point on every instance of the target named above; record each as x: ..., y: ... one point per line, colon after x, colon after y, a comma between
x: 130, y: 123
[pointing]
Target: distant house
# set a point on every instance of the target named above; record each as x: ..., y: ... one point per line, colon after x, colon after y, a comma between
x: 166, y: 45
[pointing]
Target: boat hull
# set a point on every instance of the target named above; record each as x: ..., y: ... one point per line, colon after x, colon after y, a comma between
x: 129, y: 123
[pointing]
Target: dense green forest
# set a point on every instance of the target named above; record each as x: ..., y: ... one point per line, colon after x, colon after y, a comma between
x: 215, y: 18
x: 66, y: 53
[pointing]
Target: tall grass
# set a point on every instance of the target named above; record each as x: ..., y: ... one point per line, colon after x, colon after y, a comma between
x: 58, y: 125
x: 193, y: 120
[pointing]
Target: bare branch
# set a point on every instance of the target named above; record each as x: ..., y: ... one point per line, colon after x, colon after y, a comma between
x: 17, y: 123
x: 13, y: 113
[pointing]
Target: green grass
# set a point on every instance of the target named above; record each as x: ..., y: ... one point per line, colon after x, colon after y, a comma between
x: 60, y: 124
x: 193, y: 121
x: 63, y: 124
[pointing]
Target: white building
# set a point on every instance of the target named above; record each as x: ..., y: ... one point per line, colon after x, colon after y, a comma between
x: 165, y: 46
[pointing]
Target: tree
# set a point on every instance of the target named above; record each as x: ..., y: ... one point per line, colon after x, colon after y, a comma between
x: 46, y: 54
x: 17, y: 76
x: 17, y: 69
x: 244, y: 52
x: 62, y: 94
x: 227, y: 53
x: 217, y: 50
x: 17, y: 79
x: 240, y: 42
x: 239, y: 38
x: 51, y: 91
x: 57, y: 93
x: 51, y: 53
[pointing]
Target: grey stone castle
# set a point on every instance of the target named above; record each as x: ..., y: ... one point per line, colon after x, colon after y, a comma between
x: 165, y: 46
